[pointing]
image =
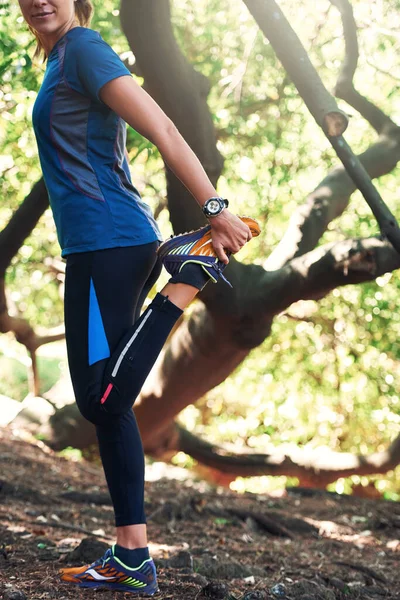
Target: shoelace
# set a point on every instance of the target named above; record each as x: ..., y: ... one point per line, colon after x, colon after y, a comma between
x: 218, y: 268
x: 102, y: 561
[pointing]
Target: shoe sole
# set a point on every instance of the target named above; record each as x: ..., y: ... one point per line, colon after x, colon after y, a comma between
x: 111, y: 586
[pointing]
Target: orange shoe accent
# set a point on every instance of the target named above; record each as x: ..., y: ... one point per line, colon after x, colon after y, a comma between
x: 252, y: 225
x: 200, y: 248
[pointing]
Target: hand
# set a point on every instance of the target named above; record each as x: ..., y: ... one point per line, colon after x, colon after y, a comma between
x: 229, y: 234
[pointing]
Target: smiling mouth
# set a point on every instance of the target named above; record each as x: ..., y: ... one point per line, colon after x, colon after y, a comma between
x: 42, y: 15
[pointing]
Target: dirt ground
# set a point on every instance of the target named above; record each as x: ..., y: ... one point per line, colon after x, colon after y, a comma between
x: 208, y: 543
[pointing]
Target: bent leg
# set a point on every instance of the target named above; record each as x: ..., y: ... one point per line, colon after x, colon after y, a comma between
x: 136, y: 354
x: 102, y: 292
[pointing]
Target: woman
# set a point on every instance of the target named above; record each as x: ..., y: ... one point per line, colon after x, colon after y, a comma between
x: 111, y: 244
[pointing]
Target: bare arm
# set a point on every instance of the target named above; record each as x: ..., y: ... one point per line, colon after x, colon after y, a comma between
x: 140, y: 111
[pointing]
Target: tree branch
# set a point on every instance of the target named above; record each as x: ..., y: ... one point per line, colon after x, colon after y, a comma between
x: 344, y: 87
x: 23, y: 331
x: 330, y: 199
x: 318, y: 100
x: 315, y: 274
x: 350, y: 61
x: 318, y: 468
x: 22, y: 223
x: 386, y: 220
x: 49, y: 338
x: 295, y: 60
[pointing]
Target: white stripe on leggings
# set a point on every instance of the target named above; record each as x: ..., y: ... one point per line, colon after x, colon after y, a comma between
x: 128, y: 345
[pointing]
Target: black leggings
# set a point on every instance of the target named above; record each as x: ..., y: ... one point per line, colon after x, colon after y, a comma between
x: 111, y: 350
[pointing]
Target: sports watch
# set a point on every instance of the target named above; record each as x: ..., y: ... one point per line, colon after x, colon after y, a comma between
x: 214, y: 206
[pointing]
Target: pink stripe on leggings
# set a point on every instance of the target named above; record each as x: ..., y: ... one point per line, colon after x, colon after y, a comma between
x: 107, y: 393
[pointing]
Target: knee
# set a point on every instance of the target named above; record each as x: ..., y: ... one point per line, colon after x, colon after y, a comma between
x: 118, y: 398
x: 98, y: 413
x: 91, y: 411
x: 86, y: 412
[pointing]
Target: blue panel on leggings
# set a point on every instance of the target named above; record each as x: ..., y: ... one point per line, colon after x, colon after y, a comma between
x: 98, y: 344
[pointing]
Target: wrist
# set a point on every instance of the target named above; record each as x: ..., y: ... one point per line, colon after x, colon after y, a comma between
x: 219, y: 219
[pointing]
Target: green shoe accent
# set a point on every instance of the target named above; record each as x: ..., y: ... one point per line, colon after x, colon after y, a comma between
x: 198, y: 262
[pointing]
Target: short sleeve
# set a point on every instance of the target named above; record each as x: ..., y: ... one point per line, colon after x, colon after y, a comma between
x: 90, y: 63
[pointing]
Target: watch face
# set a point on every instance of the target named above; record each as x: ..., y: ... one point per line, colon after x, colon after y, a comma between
x: 214, y: 207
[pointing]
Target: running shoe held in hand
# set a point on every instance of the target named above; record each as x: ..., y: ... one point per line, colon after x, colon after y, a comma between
x: 196, y: 247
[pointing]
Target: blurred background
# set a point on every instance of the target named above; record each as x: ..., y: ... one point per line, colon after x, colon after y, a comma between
x: 327, y: 377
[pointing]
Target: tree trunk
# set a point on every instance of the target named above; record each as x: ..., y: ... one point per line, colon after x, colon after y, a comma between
x: 209, y: 345
x: 180, y: 91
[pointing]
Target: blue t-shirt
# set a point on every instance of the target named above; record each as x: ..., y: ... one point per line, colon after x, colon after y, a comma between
x: 81, y: 144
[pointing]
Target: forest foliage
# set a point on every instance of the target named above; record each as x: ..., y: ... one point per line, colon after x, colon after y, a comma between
x: 329, y: 374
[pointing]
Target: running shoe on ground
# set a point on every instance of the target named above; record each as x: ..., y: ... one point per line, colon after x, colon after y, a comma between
x: 110, y: 573
x: 196, y: 247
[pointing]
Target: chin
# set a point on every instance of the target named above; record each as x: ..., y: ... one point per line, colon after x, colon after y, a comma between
x: 50, y: 24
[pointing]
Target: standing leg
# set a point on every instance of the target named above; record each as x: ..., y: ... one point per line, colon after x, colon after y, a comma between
x: 120, y: 448
x: 103, y: 291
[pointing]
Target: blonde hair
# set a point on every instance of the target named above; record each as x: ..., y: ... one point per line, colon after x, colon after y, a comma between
x: 83, y: 13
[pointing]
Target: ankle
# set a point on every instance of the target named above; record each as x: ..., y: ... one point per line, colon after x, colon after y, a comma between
x: 180, y: 294
x: 132, y: 536
x: 193, y: 274
x: 131, y: 557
